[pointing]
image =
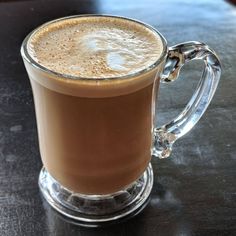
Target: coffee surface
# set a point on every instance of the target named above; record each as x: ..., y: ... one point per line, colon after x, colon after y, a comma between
x: 95, y: 47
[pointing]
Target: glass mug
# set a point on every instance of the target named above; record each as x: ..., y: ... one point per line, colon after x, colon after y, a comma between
x: 96, y: 138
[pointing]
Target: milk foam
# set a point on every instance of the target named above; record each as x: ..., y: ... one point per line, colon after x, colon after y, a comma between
x: 95, y: 47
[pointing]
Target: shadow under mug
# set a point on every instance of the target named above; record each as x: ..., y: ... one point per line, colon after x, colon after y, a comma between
x: 97, y: 137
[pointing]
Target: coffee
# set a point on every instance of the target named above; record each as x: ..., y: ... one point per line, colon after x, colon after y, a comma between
x: 94, y: 134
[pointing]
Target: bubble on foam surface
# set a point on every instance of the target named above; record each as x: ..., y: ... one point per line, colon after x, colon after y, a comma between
x: 76, y: 68
x: 115, y: 61
x: 92, y: 44
x: 89, y: 43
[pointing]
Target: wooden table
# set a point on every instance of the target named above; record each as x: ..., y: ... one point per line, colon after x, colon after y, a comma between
x: 194, y: 191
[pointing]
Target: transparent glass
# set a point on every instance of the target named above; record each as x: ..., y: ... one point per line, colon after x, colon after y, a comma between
x: 178, y: 55
x: 105, y: 198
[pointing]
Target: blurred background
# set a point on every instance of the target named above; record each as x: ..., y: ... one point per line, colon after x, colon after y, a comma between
x: 194, y: 191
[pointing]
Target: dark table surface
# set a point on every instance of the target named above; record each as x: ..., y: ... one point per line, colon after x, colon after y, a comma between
x: 194, y: 190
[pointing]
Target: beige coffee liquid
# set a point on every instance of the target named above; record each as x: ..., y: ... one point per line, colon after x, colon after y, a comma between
x: 94, y: 135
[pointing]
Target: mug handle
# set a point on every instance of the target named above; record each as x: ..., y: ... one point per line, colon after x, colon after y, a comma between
x: 178, y: 55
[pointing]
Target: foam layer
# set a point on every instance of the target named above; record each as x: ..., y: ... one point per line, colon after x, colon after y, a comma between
x: 95, y: 47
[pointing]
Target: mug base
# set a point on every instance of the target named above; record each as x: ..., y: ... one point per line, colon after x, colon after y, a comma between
x: 97, y: 210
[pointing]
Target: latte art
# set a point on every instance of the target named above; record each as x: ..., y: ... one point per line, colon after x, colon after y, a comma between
x: 95, y: 47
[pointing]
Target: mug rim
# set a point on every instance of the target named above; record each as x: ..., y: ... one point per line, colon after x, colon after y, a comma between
x: 26, y: 55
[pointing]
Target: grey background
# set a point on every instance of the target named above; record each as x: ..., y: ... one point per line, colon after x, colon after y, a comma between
x: 194, y: 191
